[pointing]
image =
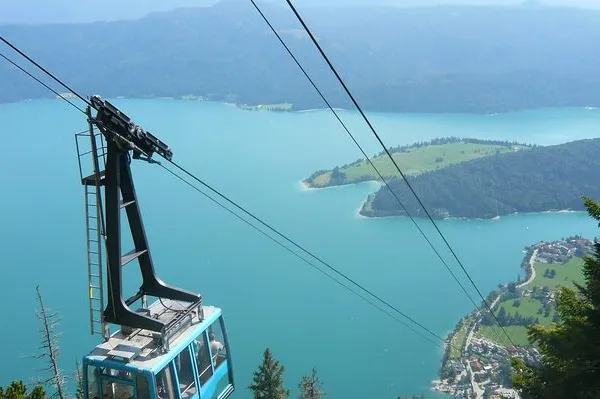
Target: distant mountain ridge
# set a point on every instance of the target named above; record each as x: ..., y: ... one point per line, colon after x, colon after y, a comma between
x: 537, y: 180
x: 67, y: 11
x: 428, y: 59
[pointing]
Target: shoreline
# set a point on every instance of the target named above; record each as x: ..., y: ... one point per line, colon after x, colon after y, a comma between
x: 495, y: 218
x: 305, y: 187
x: 200, y: 99
x: 450, y: 378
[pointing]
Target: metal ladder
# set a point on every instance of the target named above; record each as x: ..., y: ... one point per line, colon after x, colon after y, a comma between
x: 95, y: 230
x: 95, y: 240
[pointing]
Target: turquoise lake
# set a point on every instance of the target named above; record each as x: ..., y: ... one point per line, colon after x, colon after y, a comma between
x: 269, y: 297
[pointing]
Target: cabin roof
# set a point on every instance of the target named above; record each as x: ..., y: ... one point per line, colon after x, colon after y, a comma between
x: 141, y: 346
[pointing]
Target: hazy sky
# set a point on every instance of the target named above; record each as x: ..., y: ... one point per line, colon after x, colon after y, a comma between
x: 44, y: 11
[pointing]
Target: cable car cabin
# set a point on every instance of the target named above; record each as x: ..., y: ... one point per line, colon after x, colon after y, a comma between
x: 132, y: 363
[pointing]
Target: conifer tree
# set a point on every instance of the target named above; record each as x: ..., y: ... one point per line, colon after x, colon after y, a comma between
x: 268, y: 379
x: 311, y: 386
x: 570, y: 366
x: 18, y: 390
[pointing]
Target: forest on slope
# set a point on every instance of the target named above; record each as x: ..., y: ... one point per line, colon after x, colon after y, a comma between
x: 540, y: 179
x: 422, y: 59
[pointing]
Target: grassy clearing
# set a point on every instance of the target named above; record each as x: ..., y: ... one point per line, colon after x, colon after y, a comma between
x: 322, y: 180
x: 528, y: 307
x: 566, y: 275
x: 415, y: 161
x: 458, y: 340
x: 517, y: 334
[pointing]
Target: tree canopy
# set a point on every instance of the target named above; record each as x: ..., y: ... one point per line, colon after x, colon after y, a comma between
x: 311, y: 386
x: 18, y: 390
x: 539, y: 179
x: 268, y: 379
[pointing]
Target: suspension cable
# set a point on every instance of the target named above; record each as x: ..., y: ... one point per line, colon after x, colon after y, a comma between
x: 302, y: 249
x: 40, y: 82
x: 43, y: 69
x: 351, y: 281
x: 368, y: 159
x: 372, y: 128
x: 307, y: 261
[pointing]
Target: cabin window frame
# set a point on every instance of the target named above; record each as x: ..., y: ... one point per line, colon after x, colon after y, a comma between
x: 174, y: 380
x: 213, y: 357
x: 102, y: 374
x: 204, y: 336
x: 227, y: 348
x: 192, y: 360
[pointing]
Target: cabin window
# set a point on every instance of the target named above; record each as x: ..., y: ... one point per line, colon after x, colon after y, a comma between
x: 112, y: 388
x: 185, y: 372
x: 205, y: 370
x: 92, y: 382
x: 143, y: 390
x: 217, y: 343
x: 164, y: 384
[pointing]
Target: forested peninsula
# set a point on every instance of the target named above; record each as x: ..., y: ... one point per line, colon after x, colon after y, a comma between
x: 540, y: 179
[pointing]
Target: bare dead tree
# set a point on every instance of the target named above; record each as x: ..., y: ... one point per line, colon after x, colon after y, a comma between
x: 50, y: 348
x: 78, y: 380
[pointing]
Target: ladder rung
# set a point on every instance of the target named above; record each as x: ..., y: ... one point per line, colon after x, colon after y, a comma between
x: 94, y: 287
x: 93, y: 252
x: 124, y: 204
x: 95, y: 275
x: 131, y: 255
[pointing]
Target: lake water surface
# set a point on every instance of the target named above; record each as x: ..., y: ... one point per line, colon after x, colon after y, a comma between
x: 270, y: 298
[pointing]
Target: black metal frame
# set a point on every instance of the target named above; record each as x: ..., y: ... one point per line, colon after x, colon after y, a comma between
x: 123, y: 136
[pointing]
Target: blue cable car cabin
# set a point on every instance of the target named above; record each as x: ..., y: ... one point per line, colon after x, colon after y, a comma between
x: 131, y: 364
x: 176, y: 348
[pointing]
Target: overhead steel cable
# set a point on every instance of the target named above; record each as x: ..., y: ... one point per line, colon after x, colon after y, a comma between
x: 40, y: 82
x: 372, y: 128
x: 304, y: 250
x: 43, y: 69
x: 313, y: 265
x: 339, y: 119
x: 330, y: 267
